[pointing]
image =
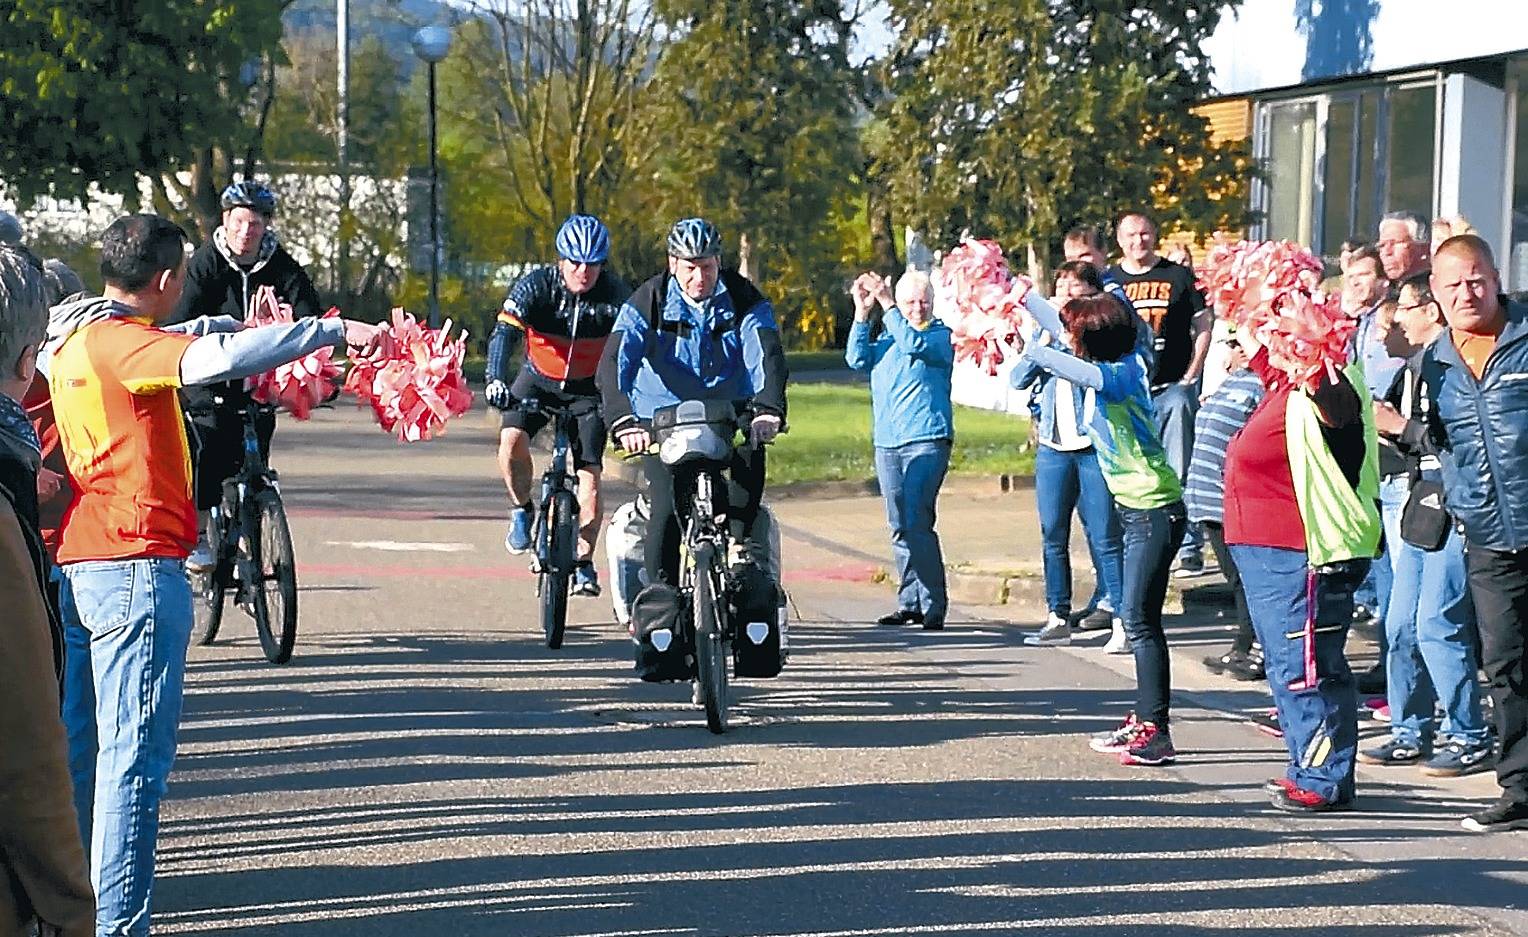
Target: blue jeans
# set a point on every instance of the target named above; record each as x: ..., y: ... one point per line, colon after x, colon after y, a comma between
x: 1319, y: 718
x: 1072, y: 480
x: 910, y: 477
x: 1434, y: 647
x: 1175, y: 406
x: 1374, y: 592
x: 1150, y: 537
x: 129, y: 623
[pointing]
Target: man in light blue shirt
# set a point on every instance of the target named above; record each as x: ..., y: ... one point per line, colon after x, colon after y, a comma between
x: 910, y: 365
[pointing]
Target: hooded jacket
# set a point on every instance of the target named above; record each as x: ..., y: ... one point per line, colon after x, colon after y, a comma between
x: 110, y: 373
x: 217, y: 285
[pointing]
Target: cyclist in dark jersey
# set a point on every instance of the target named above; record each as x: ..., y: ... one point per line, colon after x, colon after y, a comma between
x: 565, y: 312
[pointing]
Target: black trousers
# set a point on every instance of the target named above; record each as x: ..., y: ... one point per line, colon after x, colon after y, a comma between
x: 1499, y: 586
x: 667, y: 488
x: 1216, y: 534
x: 218, y: 451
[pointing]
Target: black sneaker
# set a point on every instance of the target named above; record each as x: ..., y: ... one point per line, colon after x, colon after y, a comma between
x: 902, y: 616
x: 1217, y: 664
x: 1393, y: 751
x: 1098, y: 619
x: 1508, y: 813
x: 1267, y: 722
x: 1248, y: 668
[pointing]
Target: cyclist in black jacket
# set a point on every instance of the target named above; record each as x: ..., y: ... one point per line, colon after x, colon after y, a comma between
x: 221, y: 279
x: 565, y: 314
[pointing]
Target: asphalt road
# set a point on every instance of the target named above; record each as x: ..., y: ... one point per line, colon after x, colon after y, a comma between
x: 425, y: 766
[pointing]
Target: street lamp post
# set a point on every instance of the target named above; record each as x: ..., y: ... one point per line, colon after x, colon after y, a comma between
x: 431, y: 44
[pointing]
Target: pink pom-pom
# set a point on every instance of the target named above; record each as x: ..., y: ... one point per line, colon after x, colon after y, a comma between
x: 420, y: 385
x: 1272, y: 288
x: 297, y: 386
x: 983, y: 302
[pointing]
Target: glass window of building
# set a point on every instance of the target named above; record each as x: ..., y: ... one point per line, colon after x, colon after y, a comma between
x: 1371, y: 148
x: 1291, y: 149
x: 1409, y: 148
x: 1350, y: 205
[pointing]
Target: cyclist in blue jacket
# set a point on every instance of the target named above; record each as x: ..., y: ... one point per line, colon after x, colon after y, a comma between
x: 697, y: 332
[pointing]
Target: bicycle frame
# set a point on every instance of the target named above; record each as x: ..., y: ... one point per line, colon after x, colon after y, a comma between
x: 703, y: 534
x: 558, y: 476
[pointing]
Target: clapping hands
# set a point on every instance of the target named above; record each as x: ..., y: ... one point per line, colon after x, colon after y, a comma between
x: 868, y: 289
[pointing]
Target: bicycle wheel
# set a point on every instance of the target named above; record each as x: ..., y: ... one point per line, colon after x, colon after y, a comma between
x: 274, y: 591
x: 711, y: 652
x: 561, y: 533
x: 210, y: 588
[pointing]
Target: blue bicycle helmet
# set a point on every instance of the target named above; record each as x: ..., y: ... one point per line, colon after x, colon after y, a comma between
x: 249, y: 194
x: 694, y: 238
x: 583, y: 239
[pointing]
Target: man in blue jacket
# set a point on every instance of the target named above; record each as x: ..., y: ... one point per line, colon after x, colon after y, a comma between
x: 1478, y: 376
x: 697, y: 332
x: 910, y: 365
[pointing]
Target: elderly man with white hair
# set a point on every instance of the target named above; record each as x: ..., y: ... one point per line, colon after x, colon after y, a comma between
x: 43, y: 876
x: 910, y: 366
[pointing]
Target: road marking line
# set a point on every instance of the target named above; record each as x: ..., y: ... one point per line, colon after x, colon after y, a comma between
x: 403, y: 546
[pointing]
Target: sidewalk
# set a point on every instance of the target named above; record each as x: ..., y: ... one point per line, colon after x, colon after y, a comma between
x: 995, y: 537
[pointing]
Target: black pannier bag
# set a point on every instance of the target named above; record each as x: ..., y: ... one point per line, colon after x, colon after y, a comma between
x: 759, y: 643
x: 658, y: 633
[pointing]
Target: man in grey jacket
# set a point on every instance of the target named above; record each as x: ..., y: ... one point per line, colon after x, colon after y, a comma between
x: 1477, y: 375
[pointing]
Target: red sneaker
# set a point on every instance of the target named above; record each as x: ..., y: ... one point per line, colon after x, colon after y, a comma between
x: 1299, y: 800
x: 1276, y: 785
x: 1151, y: 746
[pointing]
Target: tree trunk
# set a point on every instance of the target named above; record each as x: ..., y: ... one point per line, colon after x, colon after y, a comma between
x: 745, y: 258
x: 1039, y: 267
x: 883, y: 243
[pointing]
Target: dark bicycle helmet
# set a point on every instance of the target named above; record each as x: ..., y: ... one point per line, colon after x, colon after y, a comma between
x: 694, y: 238
x: 583, y: 239
x: 249, y: 194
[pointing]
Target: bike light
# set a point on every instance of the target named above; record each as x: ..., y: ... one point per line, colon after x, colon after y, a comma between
x: 757, y: 631
x: 661, y: 640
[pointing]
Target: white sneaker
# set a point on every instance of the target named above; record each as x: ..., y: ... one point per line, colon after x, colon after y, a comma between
x: 201, y: 559
x: 1118, y: 642
x: 1056, y: 633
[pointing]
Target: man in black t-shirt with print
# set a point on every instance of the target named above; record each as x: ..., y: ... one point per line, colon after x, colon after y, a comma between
x: 1165, y: 295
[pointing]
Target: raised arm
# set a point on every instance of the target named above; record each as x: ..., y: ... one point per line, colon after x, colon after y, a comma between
x: 857, y: 351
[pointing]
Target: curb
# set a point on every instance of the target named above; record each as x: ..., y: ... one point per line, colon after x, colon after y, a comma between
x: 977, y: 587
x: 630, y: 471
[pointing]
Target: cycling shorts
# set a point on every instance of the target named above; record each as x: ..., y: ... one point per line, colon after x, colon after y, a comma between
x: 588, y: 441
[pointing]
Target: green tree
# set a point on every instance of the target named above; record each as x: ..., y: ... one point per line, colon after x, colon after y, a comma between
x: 750, y: 122
x: 102, y: 92
x: 536, y: 105
x: 1018, y: 119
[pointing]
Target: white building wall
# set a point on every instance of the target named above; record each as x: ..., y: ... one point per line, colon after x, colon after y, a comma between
x: 1472, y: 174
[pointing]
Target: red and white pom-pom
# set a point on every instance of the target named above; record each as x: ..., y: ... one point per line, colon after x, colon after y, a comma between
x: 982, y: 301
x: 420, y: 385
x: 297, y: 386
x: 1272, y: 288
